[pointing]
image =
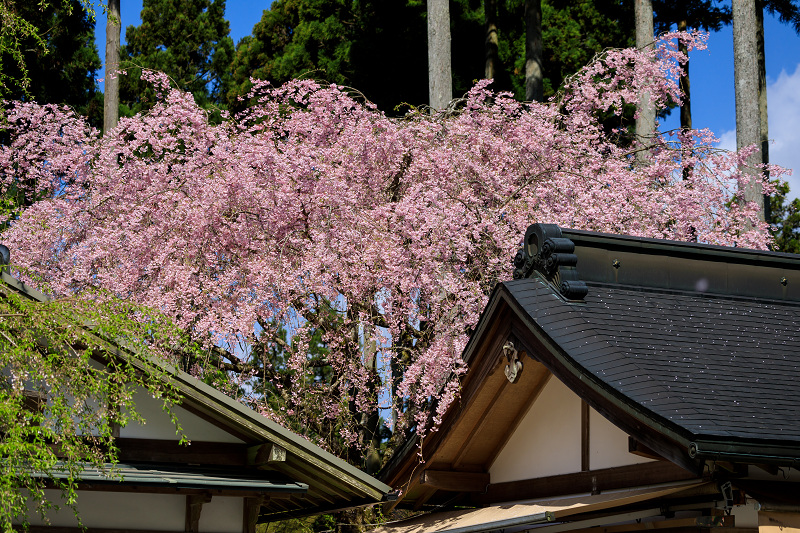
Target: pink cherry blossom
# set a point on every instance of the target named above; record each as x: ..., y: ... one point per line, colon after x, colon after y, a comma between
x: 313, y: 200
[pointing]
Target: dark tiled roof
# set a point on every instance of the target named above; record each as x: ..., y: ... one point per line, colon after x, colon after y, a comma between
x: 715, y: 366
x: 183, y: 477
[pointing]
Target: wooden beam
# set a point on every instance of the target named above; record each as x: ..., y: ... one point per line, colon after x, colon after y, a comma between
x: 238, y: 492
x: 769, y: 469
x: 67, y: 529
x: 455, y: 481
x: 170, y: 451
x: 194, y: 506
x: 251, y: 510
x: 728, y: 468
x: 264, y: 455
x: 322, y: 509
x: 594, y: 480
x: 637, y: 448
x: 423, y: 498
x: 150, y: 489
x: 709, y: 522
x: 584, y: 436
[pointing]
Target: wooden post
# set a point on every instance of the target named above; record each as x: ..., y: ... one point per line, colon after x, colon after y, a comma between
x: 252, y: 508
x: 584, y: 436
x: 194, y: 506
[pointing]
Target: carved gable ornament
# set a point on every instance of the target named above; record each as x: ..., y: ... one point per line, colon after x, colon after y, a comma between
x: 513, y: 366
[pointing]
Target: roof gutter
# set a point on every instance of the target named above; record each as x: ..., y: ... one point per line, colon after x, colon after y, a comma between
x: 745, y: 453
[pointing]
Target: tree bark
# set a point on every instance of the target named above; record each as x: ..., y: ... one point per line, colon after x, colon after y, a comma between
x: 745, y: 72
x: 534, y: 75
x: 440, y: 79
x: 762, y: 99
x: 491, y: 60
x: 646, y: 121
x: 111, y: 94
x: 686, y: 108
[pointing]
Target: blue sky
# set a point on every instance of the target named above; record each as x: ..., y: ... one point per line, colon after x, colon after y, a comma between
x: 711, y: 74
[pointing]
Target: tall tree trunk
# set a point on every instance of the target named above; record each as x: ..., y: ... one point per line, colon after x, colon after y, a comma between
x: 490, y: 43
x: 745, y: 72
x: 762, y: 98
x: 646, y: 121
x: 111, y: 95
x: 686, y: 108
x: 370, y: 422
x: 440, y: 78
x: 534, y: 74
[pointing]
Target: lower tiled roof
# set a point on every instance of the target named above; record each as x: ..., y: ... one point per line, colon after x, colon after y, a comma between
x: 184, y: 477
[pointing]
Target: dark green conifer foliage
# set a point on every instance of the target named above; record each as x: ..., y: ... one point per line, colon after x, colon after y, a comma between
x: 64, y: 72
x: 379, y: 46
x: 788, y: 11
x: 375, y: 46
x: 186, y: 39
x: 573, y: 31
x: 785, y: 221
x: 707, y: 15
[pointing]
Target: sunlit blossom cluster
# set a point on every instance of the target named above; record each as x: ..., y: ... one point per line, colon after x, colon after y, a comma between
x: 313, y: 198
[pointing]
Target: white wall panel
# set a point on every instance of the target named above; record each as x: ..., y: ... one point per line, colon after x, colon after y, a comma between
x: 119, y: 510
x: 159, y: 426
x: 223, y: 514
x: 608, y: 445
x: 547, y: 441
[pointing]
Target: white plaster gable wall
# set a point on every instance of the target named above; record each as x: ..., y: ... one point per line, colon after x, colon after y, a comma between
x: 159, y: 425
x: 608, y: 445
x: 547, y: 440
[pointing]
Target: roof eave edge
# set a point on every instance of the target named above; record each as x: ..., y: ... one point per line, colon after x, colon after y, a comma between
x: 740, y: 452
x: 747, y: 255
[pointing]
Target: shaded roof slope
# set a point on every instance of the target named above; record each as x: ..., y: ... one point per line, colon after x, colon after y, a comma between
x: 713, y: 365
x: 698, y: 342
